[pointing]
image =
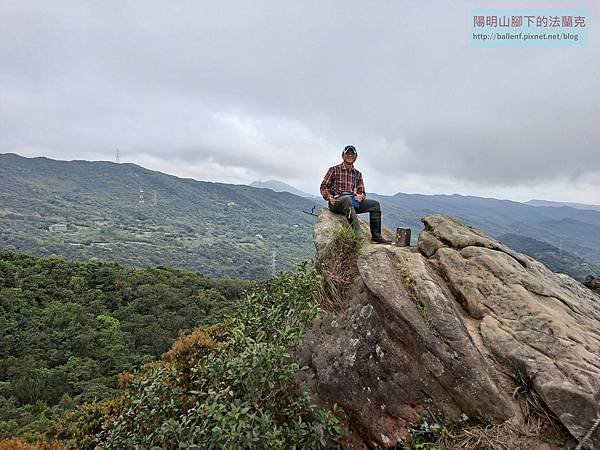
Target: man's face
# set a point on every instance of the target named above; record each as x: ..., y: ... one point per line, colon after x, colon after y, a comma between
x: 349, y: 157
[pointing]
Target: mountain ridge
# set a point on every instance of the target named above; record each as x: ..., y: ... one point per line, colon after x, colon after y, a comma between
x: 280, y: 186
x: 497, y: 217
x: 220, y: 229
x: 536, y: 202
x: 215, y: 228
x: 547, y: 220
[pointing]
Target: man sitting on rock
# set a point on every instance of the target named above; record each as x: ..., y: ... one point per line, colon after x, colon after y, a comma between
x: 344, y: 190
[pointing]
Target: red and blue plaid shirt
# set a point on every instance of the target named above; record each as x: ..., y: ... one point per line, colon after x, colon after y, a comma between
x: 339, y: 179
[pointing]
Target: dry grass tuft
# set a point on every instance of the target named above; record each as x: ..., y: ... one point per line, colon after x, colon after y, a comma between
x: 338, y: 268
x: 509, y: 436
x: 537, y: 425
x: 21, y: 444
x: 532, y: 405
x: 505, y: 436
x: 190, y: 348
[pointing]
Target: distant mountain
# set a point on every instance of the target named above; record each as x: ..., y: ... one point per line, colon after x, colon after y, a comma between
x: 561, y: 204
x: 139, y: 217
x: 556, y: 259
x: 577, y: 230
x: 280, y: 186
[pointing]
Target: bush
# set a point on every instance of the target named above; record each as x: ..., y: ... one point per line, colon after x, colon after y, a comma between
x: 67, y: 329
x: 20, y: 444
x: 228, y: 386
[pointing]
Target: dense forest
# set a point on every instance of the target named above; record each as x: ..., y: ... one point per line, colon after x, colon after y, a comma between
x: 68, y: 328
x: 230, y: 385
x: 90, y: 357
x: 99, y: 355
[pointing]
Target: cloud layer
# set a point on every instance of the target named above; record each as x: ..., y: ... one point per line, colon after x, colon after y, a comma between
x: 234, y: 91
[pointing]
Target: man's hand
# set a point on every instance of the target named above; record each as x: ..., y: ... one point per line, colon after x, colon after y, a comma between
x: 359, y: 197
x: 332, y: 199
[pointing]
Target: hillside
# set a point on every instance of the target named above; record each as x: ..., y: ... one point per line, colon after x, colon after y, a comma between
x: 68, y: 328
x: 556, y: 259
x: 218, y: 229
x: 576, y: 230
x: 227, y: 386
x: 225, y: 230
x: 561, y: 204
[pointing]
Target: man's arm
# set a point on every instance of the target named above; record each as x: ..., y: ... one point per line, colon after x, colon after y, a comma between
x: 326, y: 184
x: 360, y: 186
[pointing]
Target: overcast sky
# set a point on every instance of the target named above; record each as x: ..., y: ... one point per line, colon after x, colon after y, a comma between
x: 236, y: 91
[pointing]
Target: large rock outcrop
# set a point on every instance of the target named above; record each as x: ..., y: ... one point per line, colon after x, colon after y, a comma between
x: 438, y: 329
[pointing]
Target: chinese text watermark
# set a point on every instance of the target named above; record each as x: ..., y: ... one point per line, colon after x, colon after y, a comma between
x: 529, y: 28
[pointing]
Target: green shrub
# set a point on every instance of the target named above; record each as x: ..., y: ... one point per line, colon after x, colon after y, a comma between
x: 67, y: 329
x: 349, y: 240
x: 239, y: 391
x: 427, y: 435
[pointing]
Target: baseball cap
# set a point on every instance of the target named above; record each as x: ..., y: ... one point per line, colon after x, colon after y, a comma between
x: 349, y: 149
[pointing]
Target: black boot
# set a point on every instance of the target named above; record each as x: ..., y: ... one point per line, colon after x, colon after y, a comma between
x: 375, y: 225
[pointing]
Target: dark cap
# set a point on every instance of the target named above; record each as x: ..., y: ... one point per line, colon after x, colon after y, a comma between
x: 349, y: 149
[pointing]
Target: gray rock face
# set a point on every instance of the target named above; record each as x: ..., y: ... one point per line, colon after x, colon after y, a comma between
x: 327, y: 222
x: 592, y: 282
x: 436, y: 329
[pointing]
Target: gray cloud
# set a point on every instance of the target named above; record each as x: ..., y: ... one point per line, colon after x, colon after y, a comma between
x: 234, y: 91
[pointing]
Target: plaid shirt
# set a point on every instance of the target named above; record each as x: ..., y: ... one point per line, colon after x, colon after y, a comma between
x: 339, y: 179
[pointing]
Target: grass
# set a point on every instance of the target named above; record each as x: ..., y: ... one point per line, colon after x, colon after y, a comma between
x: 539, y: 425
x: 431, y: 435
x: 532, y: 405
x: 337, y: 267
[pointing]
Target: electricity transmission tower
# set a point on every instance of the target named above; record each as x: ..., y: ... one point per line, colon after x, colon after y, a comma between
x: 118, y: 156
x: 273, y: 264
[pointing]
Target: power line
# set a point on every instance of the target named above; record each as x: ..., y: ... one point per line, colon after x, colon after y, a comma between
x: 273, y: 264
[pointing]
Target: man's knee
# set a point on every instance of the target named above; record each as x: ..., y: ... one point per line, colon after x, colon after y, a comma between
x: 342, y: 205
x: 345, y: 200
x: 371, y: 205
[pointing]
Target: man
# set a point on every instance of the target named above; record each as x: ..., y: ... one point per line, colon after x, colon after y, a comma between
x: 344, y: 190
